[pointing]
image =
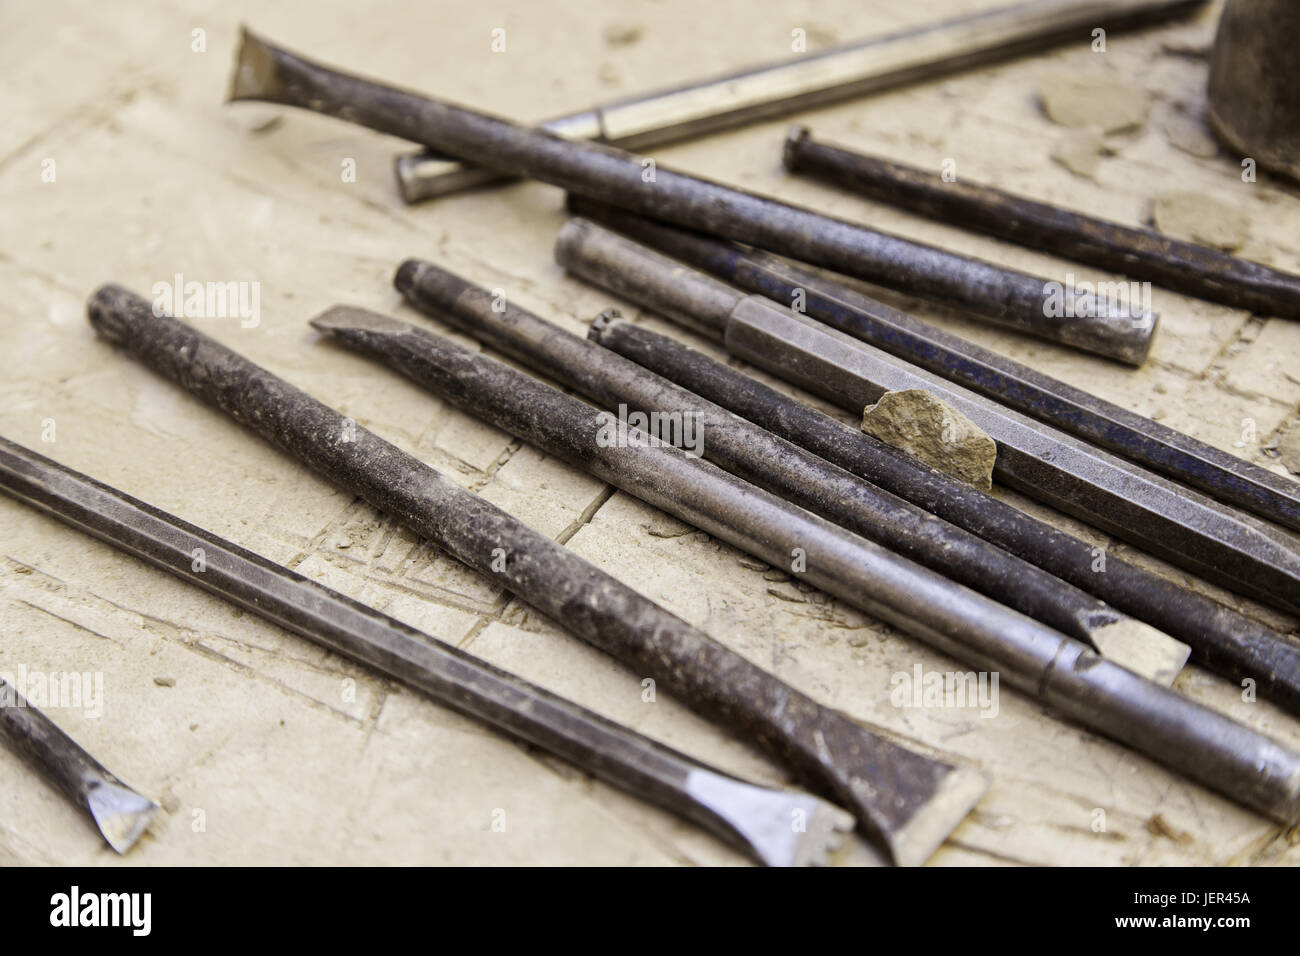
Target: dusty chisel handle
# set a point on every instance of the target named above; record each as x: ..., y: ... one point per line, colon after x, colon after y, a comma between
x: 760, y: 821
x: 120, y: 813
x: 882, y: 783
x: 1001, y: 295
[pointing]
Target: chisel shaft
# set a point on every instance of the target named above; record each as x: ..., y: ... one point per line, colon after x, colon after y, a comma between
x: 264, y: 72
x: 754, y: 819
x: 1141, y: 254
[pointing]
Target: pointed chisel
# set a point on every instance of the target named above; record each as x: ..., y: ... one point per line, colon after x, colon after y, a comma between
x: 120, y: 813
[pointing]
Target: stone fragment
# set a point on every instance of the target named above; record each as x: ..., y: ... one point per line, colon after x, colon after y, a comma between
x: 1099, y: 104
x: 914, y: 421
x: 1199, y: 218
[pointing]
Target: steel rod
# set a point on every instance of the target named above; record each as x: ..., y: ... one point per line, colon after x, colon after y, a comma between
x: 906, y: 802
x: 1140, y: 254
x: 793, y: 473
x: 754, y: 819
x: 1221, y: 475
x: 1166, y: 519
x: 1061, y: 672
x: 119, y: 813
x: 1221, y: 639
x: 264, y: 72
x: 778, y: 89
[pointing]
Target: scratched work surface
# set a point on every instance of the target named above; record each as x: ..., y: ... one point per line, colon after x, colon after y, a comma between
x: 118, y: 162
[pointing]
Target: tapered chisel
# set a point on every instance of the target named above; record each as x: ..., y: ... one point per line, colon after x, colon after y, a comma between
x: 1159, y: 516
x: 268, y: 73
x: 793, y: 473
x: 804, y: 82
x: 774, y: 826
x: 1058, y: 670
x: 120, y: 814
x: 1222, y: 475
x: 1222, y: 640
x: 905, y: 802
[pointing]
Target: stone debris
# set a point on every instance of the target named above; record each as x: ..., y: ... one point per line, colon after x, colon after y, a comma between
x: 1099, y: 104
x: 1081, y: 153
x: 914, y: 421
x: 1192, y: 138
x: 1288, y: 450
x: 1196, y: 217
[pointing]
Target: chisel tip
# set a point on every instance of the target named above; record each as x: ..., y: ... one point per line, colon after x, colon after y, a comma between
x: 255, y: 76
x: 346, y: 318
x: 780, y: 827
x: 956, y: 795
x: 121, y: 814
x: 1142, y: 649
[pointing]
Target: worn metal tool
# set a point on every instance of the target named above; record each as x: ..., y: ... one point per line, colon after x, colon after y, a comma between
x: 757, y: 820
x: 1221, y: 639
x: 778, y: 89
x: 905, y: 802
x: 1173, y: 522
x: 1140, y: 254
x: 120, y: 813
x: 793, y: 473
x: 1255, y: 82
x: 1055, y: 669
x: 600, y: 171
x: 1223, y: 476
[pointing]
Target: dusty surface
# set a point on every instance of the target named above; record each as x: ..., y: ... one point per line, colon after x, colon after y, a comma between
x: 263, y: 748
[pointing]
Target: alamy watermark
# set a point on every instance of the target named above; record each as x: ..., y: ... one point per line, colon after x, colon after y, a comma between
x: 82, y: 691
x: 947, y: 689
x: 642, y: 430
x: 1072, y: 299
x: 209, y: 300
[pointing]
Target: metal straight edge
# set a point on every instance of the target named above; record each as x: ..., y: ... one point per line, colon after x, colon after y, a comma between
x: 754, y: 819
x: 779, y: 89
x: 903, y: 801
x: 1222, y: 640
x: 1061, y: 672
x: 1223, y: 476
x: 600, y: 171
x: 791, y: 472
x: 119, y: 813
x: 1117, y: 496
x: 1140, y: 254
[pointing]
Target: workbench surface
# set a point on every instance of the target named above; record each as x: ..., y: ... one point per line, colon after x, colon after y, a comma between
x: 264, y: 748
